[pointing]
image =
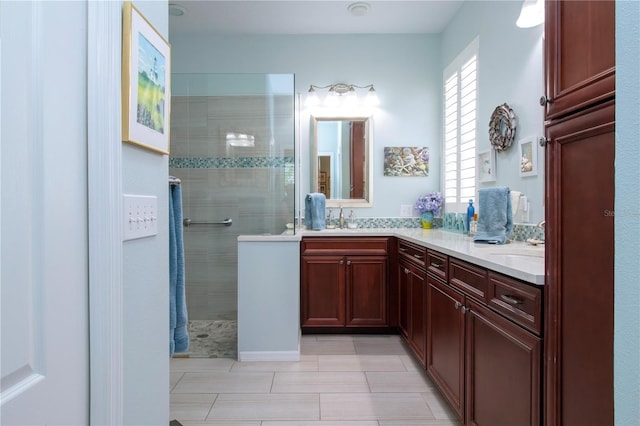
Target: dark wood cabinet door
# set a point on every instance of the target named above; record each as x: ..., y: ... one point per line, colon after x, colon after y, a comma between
x: 445, y: 342
x: 366, y: 291
x: 579, y: 268
x: 404, y: 291
x: 322, y: 291
x: 580, y: 54
x: 418, y: 315
x: 503, y: 371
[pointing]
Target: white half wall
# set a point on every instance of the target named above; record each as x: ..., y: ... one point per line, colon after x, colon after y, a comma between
x: 268, y: 300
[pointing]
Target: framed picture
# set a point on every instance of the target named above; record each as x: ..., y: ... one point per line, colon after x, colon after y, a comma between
x: 406, y: 161
x: 146, y: 80
x: 487, y: 166
x: 528, y: 157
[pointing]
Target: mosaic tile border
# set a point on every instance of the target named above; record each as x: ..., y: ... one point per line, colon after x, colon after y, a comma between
x: 521, y: 232
x: 229, y: 162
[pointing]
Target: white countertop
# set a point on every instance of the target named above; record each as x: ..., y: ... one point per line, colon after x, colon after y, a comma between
x: 515, y: 259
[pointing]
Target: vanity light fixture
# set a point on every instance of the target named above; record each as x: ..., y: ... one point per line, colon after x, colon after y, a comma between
x: 342, y: 94
x: 531, y: 14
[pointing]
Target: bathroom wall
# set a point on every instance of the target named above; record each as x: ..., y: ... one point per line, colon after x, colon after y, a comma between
x: 407, y: 73
x: 627, y: 215
x: 511, y: 70
x: 405, y: 69
x: 146, y: 279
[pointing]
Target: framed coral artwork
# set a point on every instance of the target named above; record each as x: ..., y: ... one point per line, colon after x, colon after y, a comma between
x: 406, y: 161
x: 145, y: 83
x: 487, y: 166
x: 528, y: 157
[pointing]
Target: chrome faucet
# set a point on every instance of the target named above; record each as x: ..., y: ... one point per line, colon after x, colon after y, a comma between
x: 341, y: 218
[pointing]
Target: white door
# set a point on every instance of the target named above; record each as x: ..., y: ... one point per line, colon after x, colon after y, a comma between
x: 43, y: 228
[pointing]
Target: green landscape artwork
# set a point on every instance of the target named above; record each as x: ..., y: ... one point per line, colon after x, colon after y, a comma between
x: 151, y: 86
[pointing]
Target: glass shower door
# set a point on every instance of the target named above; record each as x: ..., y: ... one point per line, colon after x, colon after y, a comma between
x: 232, y: 147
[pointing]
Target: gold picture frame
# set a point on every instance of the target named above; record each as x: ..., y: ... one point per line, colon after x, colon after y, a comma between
x: 146, y: 83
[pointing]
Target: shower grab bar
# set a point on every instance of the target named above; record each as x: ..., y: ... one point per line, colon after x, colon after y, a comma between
x: 188, y: 222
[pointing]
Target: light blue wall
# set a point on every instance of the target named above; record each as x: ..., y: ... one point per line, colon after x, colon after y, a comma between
x: 405, y: 69
x: 627, y: 218
x: 510, y: 69
x: 146, y: 279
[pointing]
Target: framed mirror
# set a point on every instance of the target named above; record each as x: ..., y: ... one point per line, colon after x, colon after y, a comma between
x: 340, y: 160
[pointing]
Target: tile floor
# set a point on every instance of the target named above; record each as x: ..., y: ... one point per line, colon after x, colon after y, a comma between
x: 341, y: 380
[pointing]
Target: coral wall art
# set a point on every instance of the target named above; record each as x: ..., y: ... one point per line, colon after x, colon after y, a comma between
x: 406, y: 161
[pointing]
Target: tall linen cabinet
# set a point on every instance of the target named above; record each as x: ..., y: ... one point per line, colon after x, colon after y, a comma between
x: 579, y: 194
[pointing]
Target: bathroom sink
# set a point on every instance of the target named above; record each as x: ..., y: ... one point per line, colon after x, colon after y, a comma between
x: 525, y: 252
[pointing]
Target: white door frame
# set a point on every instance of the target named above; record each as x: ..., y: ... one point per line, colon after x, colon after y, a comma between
x: 104, y: 168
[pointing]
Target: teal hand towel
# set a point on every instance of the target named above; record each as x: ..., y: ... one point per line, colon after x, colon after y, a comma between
x: 178, y: 316
x: 495, y: 217
x: 314, y: 211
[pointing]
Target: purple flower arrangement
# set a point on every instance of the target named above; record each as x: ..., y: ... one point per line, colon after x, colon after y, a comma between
x: 430, y: 202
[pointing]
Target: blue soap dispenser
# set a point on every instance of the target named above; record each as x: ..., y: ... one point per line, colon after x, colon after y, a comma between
x: 471, y: 211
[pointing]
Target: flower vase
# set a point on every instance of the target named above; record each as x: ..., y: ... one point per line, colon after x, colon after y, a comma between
x: 427, y: 218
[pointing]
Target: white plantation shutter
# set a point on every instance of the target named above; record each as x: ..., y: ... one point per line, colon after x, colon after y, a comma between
x: 460, y: 128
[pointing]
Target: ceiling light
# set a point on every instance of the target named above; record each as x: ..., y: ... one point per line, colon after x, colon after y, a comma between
x: 359, y: 8
x: 176, y: 10
x: 531, y: 14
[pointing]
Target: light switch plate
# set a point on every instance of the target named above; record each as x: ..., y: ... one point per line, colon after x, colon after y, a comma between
x: 140, y: 216
x: 406, y: 210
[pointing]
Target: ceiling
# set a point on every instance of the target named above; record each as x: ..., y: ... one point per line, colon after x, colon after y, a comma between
x: 311, y: 17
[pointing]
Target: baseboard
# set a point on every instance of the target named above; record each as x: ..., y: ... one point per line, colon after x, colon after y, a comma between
x: 249, y: 356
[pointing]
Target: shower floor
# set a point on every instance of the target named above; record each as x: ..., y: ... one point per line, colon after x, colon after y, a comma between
x: 213, y: 339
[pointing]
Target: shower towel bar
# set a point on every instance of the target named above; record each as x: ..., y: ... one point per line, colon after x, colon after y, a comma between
x: 188, y: 222
x: 174, y: 180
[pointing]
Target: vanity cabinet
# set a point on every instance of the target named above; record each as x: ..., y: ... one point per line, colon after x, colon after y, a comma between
x: 580, y: 54
x: 445, y: 342
x: 580, y: 132
x: 483, y: 350
x: 344, y: 282
x: 412, y: 287
x: 580, y: 268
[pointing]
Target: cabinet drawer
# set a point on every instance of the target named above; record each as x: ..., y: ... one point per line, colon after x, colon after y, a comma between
x: 437, y: 263
x: 351, y: 246
x: 517, y: 301
x: 412, y: 252
x: 470, y: 279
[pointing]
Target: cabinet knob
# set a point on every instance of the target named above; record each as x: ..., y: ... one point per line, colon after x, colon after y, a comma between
x: 406, y: 271
x: 543, y: 141
x: 544, y: 100
x: 464, y: 309
x: 457, y: 305
x: 342, y: 262
x: 348, y: 262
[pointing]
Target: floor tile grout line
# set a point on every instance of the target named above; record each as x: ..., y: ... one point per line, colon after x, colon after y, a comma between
x: 211, y: 408
x: 177, y: 381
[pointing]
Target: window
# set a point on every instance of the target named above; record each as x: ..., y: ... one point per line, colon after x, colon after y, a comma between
x: 460, y: 118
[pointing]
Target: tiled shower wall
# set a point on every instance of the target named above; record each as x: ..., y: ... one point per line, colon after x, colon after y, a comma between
x: 251, y: 185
